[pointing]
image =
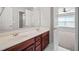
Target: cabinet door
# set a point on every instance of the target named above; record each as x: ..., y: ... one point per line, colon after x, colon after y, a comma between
x: 43, y: 43
x: 30, y: 48
x: 45, y: 40
x: 38, y: 48
x: 38, y: 43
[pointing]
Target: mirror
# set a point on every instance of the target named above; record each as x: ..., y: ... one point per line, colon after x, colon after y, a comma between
x: 13, y: 18
x: 1, y: 10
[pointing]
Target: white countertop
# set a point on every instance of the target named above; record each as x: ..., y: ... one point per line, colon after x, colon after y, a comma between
x: 8, y: 39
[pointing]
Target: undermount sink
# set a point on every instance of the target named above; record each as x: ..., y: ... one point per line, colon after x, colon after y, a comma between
x: 14, y: 34
x: 6, y: 38
x: 21, y: 34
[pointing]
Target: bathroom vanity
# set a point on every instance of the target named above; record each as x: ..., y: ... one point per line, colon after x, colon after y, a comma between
x: 37, y: 43
x: 24, y: 29
x: 35, y: 40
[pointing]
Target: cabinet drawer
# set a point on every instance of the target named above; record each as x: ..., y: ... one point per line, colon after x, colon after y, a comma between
x: 45, y: 34
x: 38, y: 43
x: 30, y: 48
x: 21, y: 46
x: 38, y: 48
x: 38, y: 38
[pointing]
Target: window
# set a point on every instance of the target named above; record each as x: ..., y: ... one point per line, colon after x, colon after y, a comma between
x: 66, y: 21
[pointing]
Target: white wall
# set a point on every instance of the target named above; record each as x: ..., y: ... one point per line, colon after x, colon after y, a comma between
x: 6, y: 19
x: 0, y: 23
x: 28, y: 18
x: 16, y: 16
x: 41, y: 16
x: 45, y: 16
x: 56, y: 17
x: 77, y: 29
x: 36, y: 17
x: 52, y: 24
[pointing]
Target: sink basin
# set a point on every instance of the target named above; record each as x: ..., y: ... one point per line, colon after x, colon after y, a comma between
x: 6, y: 38
x: 14, y: 34
x: 22, y: 34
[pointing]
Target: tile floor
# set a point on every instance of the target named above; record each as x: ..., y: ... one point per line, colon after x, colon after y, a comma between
x: 57, y: 48
x: 50, y: 47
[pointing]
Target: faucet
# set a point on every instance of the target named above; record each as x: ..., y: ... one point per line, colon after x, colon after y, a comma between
x: 15, y: 34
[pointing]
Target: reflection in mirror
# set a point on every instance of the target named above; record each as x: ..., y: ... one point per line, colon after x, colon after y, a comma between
x: 1, y: 10
x: 14, y: 18
x: 21, y: 18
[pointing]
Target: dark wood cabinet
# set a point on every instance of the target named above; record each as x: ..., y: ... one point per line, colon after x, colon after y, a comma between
x: 38, y: 48
x: 30, y: 48
x: 21, y: 46
x: 37, y: 43
x: 45, y: 40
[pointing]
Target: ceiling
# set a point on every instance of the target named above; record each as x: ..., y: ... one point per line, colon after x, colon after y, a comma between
x: 29, y: 8
x: 68, y: 9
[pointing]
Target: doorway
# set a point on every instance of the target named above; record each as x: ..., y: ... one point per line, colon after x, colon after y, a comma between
x: 64, y: 29
x: 21, y: 19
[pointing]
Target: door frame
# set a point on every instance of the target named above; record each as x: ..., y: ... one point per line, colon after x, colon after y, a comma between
x: 53, y: 17
x: 76, y: 48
